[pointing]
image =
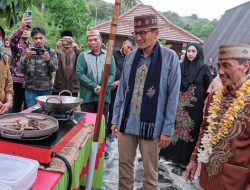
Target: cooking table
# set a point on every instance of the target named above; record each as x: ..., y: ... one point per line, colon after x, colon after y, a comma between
x: 48, y: 180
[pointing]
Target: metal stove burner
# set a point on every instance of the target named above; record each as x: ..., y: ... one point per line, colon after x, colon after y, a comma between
x: 61, y: 116
x: 64, y: 116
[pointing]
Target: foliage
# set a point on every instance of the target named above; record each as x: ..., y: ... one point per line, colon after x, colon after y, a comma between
x: 59, y: 15
x: 69, y: 15
x: 163, y: 42
x: 11, y: 9
x: 99, y: 10
x: 128, y: 4
x: 199, y: 27
x: 39, y: 19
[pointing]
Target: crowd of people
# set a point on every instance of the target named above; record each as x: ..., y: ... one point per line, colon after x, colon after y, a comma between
x: 183, y: 111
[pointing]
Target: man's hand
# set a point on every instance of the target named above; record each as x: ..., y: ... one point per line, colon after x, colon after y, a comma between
x: 28, y: 54
x: 164, y: 141
x: 115, y: 85
x: 98, y: 90
x: 59, y: 44
x: 190, y: 170
x: 74, y: 45
x: 114, y: 131
x: 24, y: 22
x: 46, y: 56
x: 5, y: 107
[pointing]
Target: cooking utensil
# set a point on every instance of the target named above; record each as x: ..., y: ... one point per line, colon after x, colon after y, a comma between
x: 58, y: 103
x: 46, y: 125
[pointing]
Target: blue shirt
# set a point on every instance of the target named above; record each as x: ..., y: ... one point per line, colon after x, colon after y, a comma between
x: 168, y: 94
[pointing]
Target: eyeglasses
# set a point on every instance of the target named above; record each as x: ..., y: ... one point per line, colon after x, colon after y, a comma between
x: 141, y: 33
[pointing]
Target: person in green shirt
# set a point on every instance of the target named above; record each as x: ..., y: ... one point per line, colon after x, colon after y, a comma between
x: 89, y: 71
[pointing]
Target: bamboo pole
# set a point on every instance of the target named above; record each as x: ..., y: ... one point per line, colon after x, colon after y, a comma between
x: 100, y: 108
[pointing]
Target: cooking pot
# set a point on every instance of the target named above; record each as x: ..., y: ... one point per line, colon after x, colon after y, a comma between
x: 58, y: 103
x: 34, y: 125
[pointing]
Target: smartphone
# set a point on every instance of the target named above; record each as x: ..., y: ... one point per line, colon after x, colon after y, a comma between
x: 28, y: 13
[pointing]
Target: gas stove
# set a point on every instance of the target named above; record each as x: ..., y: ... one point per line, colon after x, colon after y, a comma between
x: 42, y: 149
x: 61, y: 116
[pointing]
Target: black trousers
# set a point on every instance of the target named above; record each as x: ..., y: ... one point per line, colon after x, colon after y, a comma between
x: 92, y: 108
x: 111, y: 106
x: 19, y: 98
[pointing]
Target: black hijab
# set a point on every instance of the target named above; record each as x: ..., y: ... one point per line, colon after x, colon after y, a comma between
x: 190, y: 69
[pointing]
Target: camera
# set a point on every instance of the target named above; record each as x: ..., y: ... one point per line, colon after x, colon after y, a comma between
x: 66, y: 42
x: 39, y: 51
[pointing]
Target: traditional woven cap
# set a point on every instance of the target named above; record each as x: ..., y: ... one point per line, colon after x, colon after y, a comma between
x: 234, y: 51
x: 93, y: 33
x: 145, y: 22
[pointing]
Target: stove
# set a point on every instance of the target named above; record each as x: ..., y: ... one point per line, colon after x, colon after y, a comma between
x: 42, y: 149
x: 67, y: 115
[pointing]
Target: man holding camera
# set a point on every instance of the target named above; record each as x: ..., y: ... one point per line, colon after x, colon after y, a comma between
x: 19, y: 41
x: 37, y: 65
x: 67, y: 53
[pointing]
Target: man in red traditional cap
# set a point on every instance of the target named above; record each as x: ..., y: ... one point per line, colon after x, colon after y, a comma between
x: 223, y: 146
x: 146, y: 102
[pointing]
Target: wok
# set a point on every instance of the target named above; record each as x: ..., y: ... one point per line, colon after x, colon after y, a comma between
x: 46, y: 125
x: 58, y: 103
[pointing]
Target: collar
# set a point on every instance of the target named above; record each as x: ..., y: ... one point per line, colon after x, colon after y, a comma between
x: 102, y: 52
x: 142, y: 55
x: 69, y: 52
x: 233, y: 93
x: 121, y: 52
x: 227, y: 92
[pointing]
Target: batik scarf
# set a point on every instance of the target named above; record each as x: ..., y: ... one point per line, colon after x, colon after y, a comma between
x: 150, y: 93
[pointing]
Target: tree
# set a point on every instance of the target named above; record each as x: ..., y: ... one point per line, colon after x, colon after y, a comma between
x: 128, y: 4
x: 69, y: 15
x: 12, y: 10
x: 200, y: 27
x: 100, y: 10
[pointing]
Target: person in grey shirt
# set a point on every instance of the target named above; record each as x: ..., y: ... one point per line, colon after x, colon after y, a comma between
x: 146, y: 102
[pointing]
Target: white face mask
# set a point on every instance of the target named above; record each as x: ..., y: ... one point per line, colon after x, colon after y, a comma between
x: 1, y: 43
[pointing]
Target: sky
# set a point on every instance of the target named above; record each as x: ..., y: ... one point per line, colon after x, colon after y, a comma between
x: 210, y: 9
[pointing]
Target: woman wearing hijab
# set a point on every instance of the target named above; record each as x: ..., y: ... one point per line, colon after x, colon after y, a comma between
x: 195, y: 80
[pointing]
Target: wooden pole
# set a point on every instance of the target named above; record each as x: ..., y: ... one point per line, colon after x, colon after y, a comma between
x: 102, y: 98
x: 109, y: 55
